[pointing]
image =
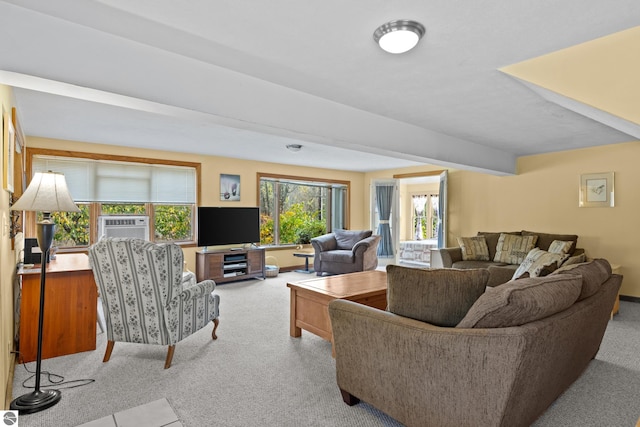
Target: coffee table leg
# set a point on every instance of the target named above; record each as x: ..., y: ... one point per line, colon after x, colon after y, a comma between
x: 294, y: 331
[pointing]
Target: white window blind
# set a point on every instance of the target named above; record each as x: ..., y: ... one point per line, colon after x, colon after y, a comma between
x: 122, y: 182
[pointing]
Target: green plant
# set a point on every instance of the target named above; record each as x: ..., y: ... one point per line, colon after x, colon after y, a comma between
x: 310, y: 229
x: 172, y: 223
x: 297, y: 225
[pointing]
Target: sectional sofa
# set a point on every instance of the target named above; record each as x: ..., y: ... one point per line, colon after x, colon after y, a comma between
x: 449, y: 353
x: 502, y: 253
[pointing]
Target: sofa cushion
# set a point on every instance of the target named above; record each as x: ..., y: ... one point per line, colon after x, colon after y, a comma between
x: 513, y: 249
x: 593, y: 273
x: 346, y: 239
x: 474, y: 248
x: 441, y: 297
x: 464, y: 265
x: 545, y: 239
x: 492, y: 240
x: 338, y: 255
x: 560, y: 246
x: 499, y: 274
x: 522, y: 301
x: 539, y: 263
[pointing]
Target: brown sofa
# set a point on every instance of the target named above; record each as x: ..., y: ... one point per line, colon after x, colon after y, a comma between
x: 517, y: 348
x: 499, y: 272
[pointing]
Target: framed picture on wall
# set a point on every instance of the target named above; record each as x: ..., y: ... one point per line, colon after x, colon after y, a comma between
x: 596, y: 190
x: 8, y: 149
x: 229, y: 187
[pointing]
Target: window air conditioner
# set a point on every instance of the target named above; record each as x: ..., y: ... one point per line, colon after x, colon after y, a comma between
x: 123, y: 226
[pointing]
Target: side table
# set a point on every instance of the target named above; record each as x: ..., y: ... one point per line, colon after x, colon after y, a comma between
x: 70, y: 309
x: 306, y: 256
x: 615, y: 269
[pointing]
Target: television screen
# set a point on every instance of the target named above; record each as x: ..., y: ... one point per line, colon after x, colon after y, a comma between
x: 228, y: 226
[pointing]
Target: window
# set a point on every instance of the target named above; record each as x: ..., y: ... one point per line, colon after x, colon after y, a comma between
x: 165, y: 191
x: 424, y: 218
x: 294, y: 210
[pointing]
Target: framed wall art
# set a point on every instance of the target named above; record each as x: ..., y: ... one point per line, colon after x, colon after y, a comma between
x: 229, y: 187
x: 8, y: 150
x: 597, y: 190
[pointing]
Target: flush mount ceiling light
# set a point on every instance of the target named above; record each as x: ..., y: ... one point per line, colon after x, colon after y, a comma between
x: 294, y: 147
x: 399, y: 36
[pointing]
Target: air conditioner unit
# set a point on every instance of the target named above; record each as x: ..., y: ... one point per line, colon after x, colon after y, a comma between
x: 123, y: 226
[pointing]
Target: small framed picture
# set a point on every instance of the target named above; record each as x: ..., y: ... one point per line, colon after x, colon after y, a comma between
x: 596, y: 190
x: 229, y: 187
x: 8, y: 146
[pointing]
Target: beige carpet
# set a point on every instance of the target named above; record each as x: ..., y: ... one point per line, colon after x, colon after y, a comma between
x: 255, y: 374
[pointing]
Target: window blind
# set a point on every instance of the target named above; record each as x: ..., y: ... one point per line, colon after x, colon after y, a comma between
x: 122, y: 182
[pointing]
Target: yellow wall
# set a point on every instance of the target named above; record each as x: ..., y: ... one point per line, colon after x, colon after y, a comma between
x: 7, y: 267
x: 544, y: 197
x: 213, y: 166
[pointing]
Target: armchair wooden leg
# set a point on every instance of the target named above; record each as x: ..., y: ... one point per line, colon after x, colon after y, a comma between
x: 167, y: 362
x: 216, y: 322
x: 107, y: 353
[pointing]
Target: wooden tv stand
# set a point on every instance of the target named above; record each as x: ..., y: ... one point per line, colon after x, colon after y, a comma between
x: 227, y: 265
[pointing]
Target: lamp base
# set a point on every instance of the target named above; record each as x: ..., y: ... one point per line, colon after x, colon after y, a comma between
x: 36, y: 401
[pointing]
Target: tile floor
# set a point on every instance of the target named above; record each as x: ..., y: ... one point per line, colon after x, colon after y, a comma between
x: 154, y: 414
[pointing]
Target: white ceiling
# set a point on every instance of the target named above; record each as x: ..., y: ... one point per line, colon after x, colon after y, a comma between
x: 244, y: 78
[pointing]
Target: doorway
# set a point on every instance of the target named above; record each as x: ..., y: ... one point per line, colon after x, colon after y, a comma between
x: 417, y: 220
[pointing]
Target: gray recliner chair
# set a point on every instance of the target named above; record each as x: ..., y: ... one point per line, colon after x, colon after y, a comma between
x: 345, y: 251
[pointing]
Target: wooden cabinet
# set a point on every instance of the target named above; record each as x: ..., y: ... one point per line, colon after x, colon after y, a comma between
x: 70, y: 308
x: 229, y: 265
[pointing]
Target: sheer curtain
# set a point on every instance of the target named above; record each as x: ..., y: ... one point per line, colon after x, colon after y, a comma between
x: 419, y: 204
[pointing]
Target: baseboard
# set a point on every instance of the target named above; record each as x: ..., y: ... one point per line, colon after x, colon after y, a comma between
x: 9, y: 389
x: 628, y: 298
x: 292, y: 268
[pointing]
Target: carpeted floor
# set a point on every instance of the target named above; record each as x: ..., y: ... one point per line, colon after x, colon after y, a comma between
x: 255, y: 374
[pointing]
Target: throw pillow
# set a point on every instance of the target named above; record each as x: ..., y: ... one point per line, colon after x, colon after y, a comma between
x: 474, y: 248
x: 346, y: 239
x: 560, y: 247
x: 545, y: 239
x: 539, y: 263
x: 512, y: 249
x: 492, y: 240
x: 441, y: 297
x: 522, y: 301
x: 576, y: 259
x: 594, y: 274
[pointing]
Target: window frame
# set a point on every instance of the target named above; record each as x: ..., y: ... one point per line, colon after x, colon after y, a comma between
x: 280, y: 177
x: 95, y: 207
x: 428, y: 212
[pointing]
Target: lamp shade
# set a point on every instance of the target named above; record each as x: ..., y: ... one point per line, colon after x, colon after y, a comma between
x: 47, y: 192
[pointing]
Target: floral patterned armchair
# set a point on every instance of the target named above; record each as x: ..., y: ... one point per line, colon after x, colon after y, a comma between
x: 144, y: 296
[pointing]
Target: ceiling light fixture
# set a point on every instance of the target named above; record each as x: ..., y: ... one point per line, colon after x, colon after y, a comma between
x: 294, y: 147
x: 399, y: 36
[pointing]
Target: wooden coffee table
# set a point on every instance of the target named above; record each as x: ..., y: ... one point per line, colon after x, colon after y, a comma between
x: 310, y: 299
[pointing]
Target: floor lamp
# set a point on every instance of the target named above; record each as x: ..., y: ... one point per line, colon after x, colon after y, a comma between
x: 46, y: 193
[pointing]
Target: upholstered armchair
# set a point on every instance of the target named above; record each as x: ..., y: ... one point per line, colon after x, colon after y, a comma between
x: 145, y: 299
x: 345, y: 251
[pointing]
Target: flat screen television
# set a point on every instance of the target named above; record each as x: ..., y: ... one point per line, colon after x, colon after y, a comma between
x: 228, y: 226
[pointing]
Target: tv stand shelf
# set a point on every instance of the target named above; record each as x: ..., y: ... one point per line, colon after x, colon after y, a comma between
x: 227, y: 265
